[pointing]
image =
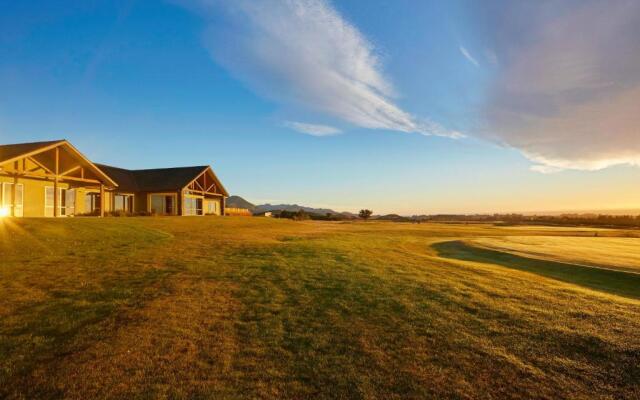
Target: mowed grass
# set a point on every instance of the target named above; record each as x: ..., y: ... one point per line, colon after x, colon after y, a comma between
x: 260, y: 308
x: 611, y: 252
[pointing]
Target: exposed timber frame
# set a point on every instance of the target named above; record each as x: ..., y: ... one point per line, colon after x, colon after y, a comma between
x: 58, y: 162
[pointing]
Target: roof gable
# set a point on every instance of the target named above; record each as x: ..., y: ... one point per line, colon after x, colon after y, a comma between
x: 157, y: 179
x: 43, y: 151
x: 9, y: 152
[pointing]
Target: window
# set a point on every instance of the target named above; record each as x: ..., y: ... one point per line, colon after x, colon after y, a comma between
x: 162, y: 204
x: 168, y: 201
x: 192, y: 206
x: 123, y: 202
x: 212, y: 207
x: 66, y: 201
x: 15, y: 208
x: 48, y: 201
x: 92, y: 203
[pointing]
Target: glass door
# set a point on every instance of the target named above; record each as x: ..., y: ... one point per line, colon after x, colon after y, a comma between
x: 162, y: 204
x: 66, y: 202
x: 14, y: 207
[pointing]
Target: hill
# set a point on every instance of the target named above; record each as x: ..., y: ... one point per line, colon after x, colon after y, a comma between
x: 294, y: 208
x: 239, y: 202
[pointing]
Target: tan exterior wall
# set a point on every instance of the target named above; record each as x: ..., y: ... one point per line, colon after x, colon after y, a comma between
x: 34, y: 198
x: 33, y: 201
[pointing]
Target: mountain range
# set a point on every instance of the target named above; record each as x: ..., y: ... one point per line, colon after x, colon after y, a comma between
x: 239, y: 202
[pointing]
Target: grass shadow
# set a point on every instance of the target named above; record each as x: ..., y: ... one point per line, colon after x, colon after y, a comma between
x: 610, y: 281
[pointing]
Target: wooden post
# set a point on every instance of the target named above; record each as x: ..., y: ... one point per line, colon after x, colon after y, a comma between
x: 181, y: 196
x: 13, y: 190
x: 13, y: 196
x: 56, y: 200
x: 102, y: 202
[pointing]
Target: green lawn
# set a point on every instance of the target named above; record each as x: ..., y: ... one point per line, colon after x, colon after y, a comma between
x: 260, y: 308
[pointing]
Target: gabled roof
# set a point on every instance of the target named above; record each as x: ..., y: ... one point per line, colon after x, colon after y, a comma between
x: 11, y: 152
x: 156, y: 180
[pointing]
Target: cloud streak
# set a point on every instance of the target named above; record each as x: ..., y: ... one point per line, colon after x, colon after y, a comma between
x: 303, y: 53
x: 567, y: 92
x: 313, y: 129
x: 468, y: 56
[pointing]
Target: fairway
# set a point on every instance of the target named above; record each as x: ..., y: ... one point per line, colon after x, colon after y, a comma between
x: 212, y: 307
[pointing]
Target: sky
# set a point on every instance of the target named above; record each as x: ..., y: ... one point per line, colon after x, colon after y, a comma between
x: 405, y: 107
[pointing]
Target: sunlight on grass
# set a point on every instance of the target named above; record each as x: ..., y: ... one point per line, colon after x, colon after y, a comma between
x: 261, y: 308
x: 611, y: 252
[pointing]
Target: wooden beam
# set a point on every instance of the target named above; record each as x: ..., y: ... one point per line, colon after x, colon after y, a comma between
x: 71, y: 170
x: 13, y: 196
x: 37, y: 151
x: 102, y: 202
x: 52, y: 177
x: 56, y: 200
x: 39, y: 164
x: 181, y: 202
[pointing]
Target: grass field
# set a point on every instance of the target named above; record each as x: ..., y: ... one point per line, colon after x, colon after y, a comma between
x: 259, y: 308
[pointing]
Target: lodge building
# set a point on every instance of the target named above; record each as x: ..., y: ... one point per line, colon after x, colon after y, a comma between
x: 53, y: 179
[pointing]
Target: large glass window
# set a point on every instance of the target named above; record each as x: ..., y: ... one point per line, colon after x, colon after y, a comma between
x: 14, y: 208
x: 48, y: 201
x: 66, y: 201
x: 162, y: 204
x: 212, y: 207
x: 192, y: 206
x: 123, y: 202
x: 92, y: 203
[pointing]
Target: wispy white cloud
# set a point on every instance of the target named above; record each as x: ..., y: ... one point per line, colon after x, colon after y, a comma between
x: 570, y: 98
x: 305, y: 54
x: 545, y: 169
x: 468, y: 56
x: 313, y: 129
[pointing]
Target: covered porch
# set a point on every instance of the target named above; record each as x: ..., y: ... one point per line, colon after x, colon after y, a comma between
x: 50, y: 179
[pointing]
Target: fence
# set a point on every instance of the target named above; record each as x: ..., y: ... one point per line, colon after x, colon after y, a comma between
x: 243, y: 212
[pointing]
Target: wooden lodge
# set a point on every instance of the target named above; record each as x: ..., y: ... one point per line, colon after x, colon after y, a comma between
x: 53, y: 179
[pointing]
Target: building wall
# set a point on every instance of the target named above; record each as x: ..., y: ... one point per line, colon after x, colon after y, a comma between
x: 34, y: 194
x: 34, y: 198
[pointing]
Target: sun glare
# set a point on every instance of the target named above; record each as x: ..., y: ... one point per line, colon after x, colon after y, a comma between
x: 4, y: 212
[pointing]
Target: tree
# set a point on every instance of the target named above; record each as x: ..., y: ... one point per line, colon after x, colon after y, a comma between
x: 301, y: 215
x: 365, y: 214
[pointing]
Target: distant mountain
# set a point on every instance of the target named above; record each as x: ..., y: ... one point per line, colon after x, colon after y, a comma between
x: 239, y: 202
x: 293, y: 208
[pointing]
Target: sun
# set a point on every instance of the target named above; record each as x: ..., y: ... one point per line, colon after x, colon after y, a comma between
x: 4, y: 212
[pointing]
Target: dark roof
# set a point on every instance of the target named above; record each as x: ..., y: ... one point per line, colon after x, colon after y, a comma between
x: 152, y: 180
x: 9, y: 151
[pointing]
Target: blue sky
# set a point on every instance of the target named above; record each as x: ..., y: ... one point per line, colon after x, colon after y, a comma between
x: 403, y: 106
